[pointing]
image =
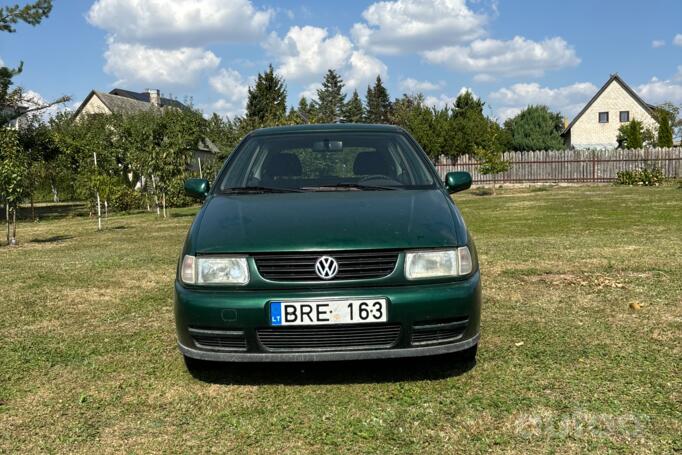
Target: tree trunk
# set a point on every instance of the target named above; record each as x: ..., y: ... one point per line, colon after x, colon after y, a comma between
x: 8, y: 223
x: 106, y: 209
x: 99, y: 212
x: 14, y: 225
x: 163, y: 201
x: 99, y: 206
x: 156, y: 197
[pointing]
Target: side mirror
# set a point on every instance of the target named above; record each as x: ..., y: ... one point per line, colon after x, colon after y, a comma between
x: 457, y: 181
x: 197, y: 188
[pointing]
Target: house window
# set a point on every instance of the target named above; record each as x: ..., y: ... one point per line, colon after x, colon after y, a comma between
x: 603, y: 117
x: 624, y: 116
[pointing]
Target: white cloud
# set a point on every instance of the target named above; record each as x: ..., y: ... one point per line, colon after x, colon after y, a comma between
x: 410, y: 85
x: 568, y: 100
x: 363, y: 70
x: 516, y: 57
x: 305, y: 53
x: 310, y: 92
x: 677, y: 40
x: 234, y: 89
x: 138, y: 63
x: 659, y: 91
x: 657, y: 43
x: 33, y: 99
x: 441, y: 101
x: 401, y: 26
x: 227, y: 108
x: 170, y: 23
x: 484, y: 78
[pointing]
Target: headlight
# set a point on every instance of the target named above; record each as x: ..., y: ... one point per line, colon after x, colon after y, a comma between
x: 214, y: 270
x: 438, y: 264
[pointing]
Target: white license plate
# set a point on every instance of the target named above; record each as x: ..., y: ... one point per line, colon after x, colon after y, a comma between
x: 355, y: 311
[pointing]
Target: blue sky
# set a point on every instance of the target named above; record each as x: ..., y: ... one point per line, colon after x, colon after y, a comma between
x: 509, y: 53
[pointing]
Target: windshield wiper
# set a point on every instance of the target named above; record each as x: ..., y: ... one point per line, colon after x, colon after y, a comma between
x: 357, y: 186
x: 260, y: 189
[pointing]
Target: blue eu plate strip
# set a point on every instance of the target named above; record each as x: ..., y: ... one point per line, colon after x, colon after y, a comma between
x: 276, y: 313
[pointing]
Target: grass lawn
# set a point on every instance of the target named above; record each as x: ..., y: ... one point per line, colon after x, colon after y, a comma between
x: 88, y: 361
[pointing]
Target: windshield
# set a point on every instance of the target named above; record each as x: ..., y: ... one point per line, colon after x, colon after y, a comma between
x: 329, y: 161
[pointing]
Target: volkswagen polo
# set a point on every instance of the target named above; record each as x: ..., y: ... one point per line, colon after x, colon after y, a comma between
x: 327, y: 242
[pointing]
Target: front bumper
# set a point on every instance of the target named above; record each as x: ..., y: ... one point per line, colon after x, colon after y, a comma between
x: 415, y: 308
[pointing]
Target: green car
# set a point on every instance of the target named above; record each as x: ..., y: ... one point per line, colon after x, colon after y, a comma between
x: 327, y: 242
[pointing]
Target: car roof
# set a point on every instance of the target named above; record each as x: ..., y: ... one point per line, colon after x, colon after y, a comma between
x: 320, y: 127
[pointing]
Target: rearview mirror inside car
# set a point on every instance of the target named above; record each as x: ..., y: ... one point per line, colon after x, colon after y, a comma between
x: 327, y: 146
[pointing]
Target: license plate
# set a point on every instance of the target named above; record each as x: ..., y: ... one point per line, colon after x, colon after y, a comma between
x: 355, y: 311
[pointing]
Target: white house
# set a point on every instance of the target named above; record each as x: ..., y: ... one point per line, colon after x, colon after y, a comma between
x: 596, y: 126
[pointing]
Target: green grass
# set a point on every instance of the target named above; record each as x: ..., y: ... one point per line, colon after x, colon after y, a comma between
x: 88, y: 362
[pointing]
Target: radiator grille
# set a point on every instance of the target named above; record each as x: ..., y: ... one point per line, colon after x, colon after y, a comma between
x: 329, y: 337
x: 353, y: 265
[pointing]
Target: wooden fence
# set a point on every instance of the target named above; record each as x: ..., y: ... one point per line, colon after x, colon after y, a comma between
x: 570, y: 166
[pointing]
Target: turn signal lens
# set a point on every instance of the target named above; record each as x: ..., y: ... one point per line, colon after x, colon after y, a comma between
x: 187, y: 274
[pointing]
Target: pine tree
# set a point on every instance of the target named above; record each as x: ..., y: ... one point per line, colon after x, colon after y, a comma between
x: 371, y: 104
x: 378, y: 103
x: 665, y: 128
x: 535, y: 128
x: 267, y: 101
x: 10, y: 99
x: 32, y: 14
x: 354, y: 111
x: 330, y: 98
x: 467, y: 128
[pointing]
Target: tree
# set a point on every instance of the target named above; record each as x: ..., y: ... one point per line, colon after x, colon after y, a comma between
x: 267, y: 99
x: 427, y: 125
x: 491, y: 162
x: 330, y: 98
x: 468, y: 127
x: 354, y: 111
x: 630, y: 135
x: 41, y: 153
x: 15, y: 103
x: 665, y: 128
x: 378, y: 103
x: 13, y: 175
x: 302, y: 114
x: 673, y: 112
x: 535, y: 128
x: 32, y: 14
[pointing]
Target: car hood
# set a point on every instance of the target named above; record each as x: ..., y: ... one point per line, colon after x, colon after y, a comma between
x: 329, y: 221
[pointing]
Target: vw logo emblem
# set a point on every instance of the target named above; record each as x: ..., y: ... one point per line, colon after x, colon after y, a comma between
x: 326, y: 267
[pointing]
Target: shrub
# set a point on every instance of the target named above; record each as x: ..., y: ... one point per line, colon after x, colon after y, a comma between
x: 644, y: 177
x: 176, y: 196
x: 125, y: 199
